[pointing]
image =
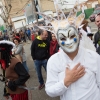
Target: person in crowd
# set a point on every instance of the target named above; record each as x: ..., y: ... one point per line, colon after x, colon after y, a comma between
x: 13, y: 35
x: 29, y: 33
x: 1, y: 36
x: 22, y: 35
x: 49, y: 34
x: 40, y: 54
x: 33, y: 35
x: 15, y: 73
x: 20, y: 52
x: 26, y: 35
x: 74, y: 72
x: 32, y: 30
x: 17, y: 35
x: 54, y: 47
x: 97, y: 35
x: 6, y: 36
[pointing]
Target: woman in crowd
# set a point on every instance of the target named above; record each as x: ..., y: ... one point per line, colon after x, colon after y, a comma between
x: 33, y: 35
x: 54, y: 47
x: 22, y: 36
x: 19, y: 51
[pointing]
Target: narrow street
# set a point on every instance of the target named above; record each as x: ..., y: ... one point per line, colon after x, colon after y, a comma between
x: 33, y: 81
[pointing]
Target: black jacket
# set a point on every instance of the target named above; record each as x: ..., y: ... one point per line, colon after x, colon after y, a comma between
x: 23, y: 77
x: 96, y: 38
x: 96, y: 41
x: 40, y: 49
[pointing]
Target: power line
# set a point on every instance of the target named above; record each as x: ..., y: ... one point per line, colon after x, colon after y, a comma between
x: 21, y: 8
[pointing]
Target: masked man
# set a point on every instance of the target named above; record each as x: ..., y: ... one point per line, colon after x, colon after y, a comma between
x: 74, y: 72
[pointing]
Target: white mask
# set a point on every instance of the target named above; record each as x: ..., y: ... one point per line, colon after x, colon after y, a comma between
x: 68, y: 39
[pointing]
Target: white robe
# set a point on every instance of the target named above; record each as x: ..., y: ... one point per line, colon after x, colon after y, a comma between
x: 86, y: 42
x: 86, y: 88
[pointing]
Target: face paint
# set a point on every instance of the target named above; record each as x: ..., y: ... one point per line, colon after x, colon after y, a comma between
x: 68, y: 39
x: 75, y: 39
x: 63, y: 43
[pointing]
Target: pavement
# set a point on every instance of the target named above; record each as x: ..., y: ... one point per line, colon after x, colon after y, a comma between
x: 33, y: 81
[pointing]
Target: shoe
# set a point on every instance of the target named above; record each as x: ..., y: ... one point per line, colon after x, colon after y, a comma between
x: 41, y: 86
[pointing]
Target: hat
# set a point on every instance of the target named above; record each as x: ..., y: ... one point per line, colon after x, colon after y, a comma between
x: 17, y: 38
x: 89, y: 34
x: 62, y: 22
x: 6, y: 44
x: 5, y: 53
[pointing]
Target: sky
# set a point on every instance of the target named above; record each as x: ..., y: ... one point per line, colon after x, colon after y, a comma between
x: 75, y: 0
x: 71, y: 2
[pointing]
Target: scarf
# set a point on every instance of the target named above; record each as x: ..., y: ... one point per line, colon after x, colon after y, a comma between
x: 53, y: 45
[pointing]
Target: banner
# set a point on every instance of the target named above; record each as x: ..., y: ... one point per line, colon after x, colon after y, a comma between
x: 29, y: 11
x: 30, y: 17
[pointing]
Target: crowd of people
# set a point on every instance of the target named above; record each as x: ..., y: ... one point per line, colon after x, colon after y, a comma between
x: 41, y: 50
x: 44, y: 45
x: 70, y: 56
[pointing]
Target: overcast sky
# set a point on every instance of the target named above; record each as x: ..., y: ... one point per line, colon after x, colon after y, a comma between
x: 71, y: 3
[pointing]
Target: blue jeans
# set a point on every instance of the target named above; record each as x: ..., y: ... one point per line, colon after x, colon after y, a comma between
x: 25, y: 66
x: 38, y: 67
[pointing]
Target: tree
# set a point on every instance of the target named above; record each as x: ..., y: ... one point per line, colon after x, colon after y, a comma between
x: 5, y: 14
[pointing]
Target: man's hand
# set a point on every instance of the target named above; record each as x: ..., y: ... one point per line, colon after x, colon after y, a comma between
x: 73, y: 75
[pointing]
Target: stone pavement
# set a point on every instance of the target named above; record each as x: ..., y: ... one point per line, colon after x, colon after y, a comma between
x: 33, y: 81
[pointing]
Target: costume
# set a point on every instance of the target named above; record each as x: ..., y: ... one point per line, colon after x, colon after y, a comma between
x: 86, y: 88
x: 66, y: 31
x: 15, y: 73
x: 86, y: 36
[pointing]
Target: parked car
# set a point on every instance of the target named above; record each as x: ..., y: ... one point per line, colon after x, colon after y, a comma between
x: 96, y: 11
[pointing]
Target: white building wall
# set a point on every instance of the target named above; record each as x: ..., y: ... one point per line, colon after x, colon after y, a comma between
x: 93, y: 4
x: 19, y: 24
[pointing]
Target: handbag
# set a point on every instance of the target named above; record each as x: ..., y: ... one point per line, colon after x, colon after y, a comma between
x: 19, y: 57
